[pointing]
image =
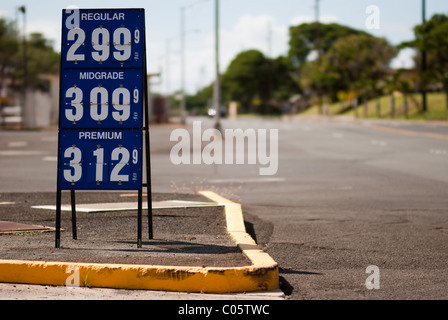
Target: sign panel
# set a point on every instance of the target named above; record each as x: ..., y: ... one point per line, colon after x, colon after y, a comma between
x: 103, y: 38
x: 101, y: 99
x: 100, y: 160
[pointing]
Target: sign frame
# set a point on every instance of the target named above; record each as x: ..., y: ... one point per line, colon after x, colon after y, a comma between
x: 106, y: 75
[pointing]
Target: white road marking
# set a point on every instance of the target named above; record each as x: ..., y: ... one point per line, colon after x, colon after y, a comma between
x: 379, y: 143
x: 17, y: 144
x: 49, y: 139
x: 50, y: 159
x: 20, y: 153
x: 438, y: 152
x: 337, y: 135
x: 130, y: 206
x: 248, y: 180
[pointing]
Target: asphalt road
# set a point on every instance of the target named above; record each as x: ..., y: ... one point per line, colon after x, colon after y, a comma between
x: 347, y: 195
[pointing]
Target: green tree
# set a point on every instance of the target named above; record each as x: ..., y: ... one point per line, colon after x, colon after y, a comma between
x: 9, y: 48
x: 314, y: 40
x: 200, y: 101
x: 432, y: 37
x: 309, y: 37
x: 41, y: 59
x: 283, y: 84
x: 260, y: 84
x: 360, y: 60
x: 246, y: 78
x: 357, y: 63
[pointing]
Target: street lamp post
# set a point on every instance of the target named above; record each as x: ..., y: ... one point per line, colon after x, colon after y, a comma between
x: 424, y: 59
x: 183, y: 11
x: 217, y: 87
x: 24, y: 112
x: 182, y: 46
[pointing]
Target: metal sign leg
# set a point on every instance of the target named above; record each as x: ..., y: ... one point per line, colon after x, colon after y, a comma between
x: 73, y: 202
x: 58, y: 219
x: 148, y: 184
x: 139, y: 226
x: 147, y: 150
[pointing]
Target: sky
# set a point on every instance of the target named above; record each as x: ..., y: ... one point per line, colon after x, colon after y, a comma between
x: 244, y: 25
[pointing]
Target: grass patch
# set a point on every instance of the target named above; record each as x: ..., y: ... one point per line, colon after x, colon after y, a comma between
x: 436, y: 108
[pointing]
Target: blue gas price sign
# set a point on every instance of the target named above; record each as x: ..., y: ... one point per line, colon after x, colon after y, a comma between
x: 102, y: 38
x: 100, y: 160
x: 101, y: 99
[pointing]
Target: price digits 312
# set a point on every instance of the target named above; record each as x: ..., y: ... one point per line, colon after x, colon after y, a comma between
x: 121, y: 155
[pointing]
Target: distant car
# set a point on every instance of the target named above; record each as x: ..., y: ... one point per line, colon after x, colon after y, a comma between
x: 212, y: 111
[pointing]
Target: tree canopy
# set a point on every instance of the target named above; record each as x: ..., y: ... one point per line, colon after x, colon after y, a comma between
x: 330, y: 61
x: 9, y: 48
x: 432, y: 37
x: 354, y: 63
x: 40, y: 57
x: 309, y: 37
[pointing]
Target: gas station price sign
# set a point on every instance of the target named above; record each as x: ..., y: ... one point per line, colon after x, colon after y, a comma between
x: 101, y: 119
x: 103, y: 108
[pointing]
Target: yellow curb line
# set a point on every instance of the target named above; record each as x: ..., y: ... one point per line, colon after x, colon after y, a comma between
x: 262, y: 275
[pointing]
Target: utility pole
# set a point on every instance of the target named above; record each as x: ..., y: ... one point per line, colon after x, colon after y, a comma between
x: 182, y: 46
x: 317, y: 18
x: 183, y: 32
x: 269, y: 39
x: 424, y: 65
x: 24, y: 111
x: 318, y: 47
x: 217, y: 87
x: 167, y: 71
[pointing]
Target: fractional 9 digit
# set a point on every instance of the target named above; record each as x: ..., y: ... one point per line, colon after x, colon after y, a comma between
x: 136, y: 94
x: 135, y: 156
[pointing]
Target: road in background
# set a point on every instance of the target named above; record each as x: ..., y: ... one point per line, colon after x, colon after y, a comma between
x: 347, y: 195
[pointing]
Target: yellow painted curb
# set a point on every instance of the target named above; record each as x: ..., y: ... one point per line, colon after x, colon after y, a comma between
x: 262, y: 275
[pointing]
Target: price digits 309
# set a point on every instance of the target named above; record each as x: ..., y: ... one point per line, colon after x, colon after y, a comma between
x: 99, y: 103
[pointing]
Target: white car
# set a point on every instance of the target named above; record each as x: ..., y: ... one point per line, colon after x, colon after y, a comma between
x: 212, y: 111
